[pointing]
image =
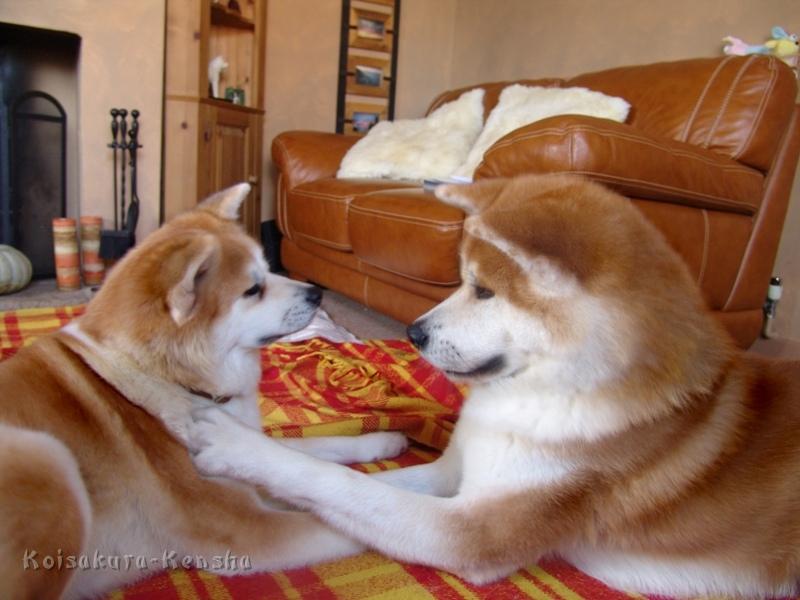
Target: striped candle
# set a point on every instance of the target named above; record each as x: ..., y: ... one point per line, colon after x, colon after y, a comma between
x: 91, y: 264
x: 65, y: 244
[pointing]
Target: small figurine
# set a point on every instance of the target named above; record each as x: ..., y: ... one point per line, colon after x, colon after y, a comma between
x: 782, y: 46
x: 215, y: 69
x: 736, y: 47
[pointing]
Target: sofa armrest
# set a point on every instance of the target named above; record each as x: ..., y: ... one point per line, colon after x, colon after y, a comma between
x: 303, y: 156
x: 631, y: 161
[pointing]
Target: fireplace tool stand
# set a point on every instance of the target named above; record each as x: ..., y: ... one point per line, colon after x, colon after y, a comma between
x: 114, y: 243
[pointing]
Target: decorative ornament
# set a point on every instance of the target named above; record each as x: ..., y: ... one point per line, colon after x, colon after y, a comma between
x: 215, y: 68
x: 15, y: 270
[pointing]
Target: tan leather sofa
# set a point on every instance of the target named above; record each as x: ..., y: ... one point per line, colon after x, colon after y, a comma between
x: 708, y: 153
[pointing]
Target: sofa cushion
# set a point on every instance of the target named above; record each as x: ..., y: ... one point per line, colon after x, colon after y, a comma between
x: 492, y: 92
x: 407, y: 232
x: 429, y: 148
x: 319, y: 210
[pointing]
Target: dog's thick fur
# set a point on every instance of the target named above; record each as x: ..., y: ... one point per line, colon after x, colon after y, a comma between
x: 611, y: 421
x: 93, y: 420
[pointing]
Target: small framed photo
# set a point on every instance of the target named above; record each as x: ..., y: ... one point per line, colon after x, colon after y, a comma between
x: 370, y: 29
x: 360, y: 117
x: 235, y: 95
x: 374, y: 29
x: 368, y: 76
x: 364, y: 121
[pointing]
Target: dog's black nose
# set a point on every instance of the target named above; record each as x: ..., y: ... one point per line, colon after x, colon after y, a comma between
x: 314, y: 295
x: 416, y: 333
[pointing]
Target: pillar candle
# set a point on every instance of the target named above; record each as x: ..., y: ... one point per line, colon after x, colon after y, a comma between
x: 65, y: 243
x: 91, y: 263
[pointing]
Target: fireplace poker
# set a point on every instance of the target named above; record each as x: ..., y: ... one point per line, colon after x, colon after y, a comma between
x: 133, y: 147
x: 113, y: 146
x: 123, y: 146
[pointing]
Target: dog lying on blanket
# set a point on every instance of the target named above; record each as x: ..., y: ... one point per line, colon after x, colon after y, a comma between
x: 93, y: 420
x: 610, y: 420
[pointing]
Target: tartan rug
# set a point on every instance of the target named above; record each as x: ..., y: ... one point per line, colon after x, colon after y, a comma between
x: 322, y: 388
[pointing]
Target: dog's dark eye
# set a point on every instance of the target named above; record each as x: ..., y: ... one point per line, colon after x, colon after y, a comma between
x: 255, y: 290
x: 482, y: 293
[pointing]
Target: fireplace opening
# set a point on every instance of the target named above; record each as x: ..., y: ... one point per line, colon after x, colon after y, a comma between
x: 38, y: 166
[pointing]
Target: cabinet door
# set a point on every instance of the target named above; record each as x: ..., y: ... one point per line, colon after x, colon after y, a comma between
x: 230, y: 155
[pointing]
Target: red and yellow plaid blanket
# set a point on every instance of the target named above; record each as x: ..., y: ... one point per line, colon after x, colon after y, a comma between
x: 321, y: 388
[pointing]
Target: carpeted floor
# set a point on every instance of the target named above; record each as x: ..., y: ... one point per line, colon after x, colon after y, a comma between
x: 363, y: 322
x: 42, y: 293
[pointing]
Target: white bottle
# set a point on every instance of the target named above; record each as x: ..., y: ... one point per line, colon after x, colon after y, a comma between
x: 774, y: 293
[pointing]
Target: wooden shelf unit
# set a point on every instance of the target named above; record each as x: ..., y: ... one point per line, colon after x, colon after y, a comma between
x: 210, y: 143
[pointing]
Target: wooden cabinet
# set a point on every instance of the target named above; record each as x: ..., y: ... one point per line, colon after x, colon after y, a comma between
x: 209, y: 143
x: 231, y: 147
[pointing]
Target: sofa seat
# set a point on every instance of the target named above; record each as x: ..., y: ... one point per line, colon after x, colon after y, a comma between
x: 400, y: 230
x: 319, y: 210
x: 375, y: 238
x: 408, y: 233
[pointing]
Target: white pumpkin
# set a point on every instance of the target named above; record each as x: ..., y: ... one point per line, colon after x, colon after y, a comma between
x: 15, y: 270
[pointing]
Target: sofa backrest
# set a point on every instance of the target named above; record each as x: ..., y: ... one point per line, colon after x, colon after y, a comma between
x: 738, y: 106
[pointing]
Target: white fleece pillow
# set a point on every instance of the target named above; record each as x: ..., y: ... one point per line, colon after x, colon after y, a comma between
x: 520, y: 105
x: 429, y: 148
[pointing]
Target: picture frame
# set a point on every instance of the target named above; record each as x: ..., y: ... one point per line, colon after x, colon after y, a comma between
x: 367, y: 26
x: 360, y: 117
x: 364, y: 121
x: 368, y: 76
x: 371, y: 29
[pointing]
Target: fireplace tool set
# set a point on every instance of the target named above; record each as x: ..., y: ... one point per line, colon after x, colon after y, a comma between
x: 124, y: 146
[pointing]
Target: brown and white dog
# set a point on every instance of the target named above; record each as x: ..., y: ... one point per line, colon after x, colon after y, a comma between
x: 96, y: 486
x: 610, y: 421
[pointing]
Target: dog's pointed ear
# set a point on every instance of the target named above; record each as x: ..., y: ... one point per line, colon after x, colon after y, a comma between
x: 226, y: 203
x: 189, y: 265
x: 472, y: 198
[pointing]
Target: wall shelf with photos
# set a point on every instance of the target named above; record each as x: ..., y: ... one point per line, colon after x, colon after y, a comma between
x: 367, y: 64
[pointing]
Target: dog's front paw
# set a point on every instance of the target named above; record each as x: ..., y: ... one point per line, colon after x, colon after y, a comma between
x: 220, y: 444
x: 380, y: 445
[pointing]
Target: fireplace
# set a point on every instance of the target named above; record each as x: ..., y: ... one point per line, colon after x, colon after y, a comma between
x: 38, y: 107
